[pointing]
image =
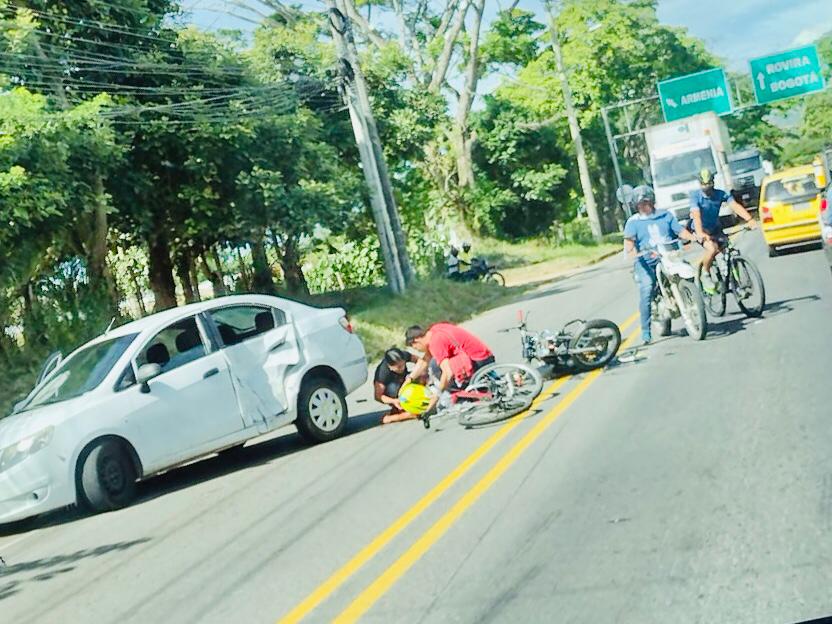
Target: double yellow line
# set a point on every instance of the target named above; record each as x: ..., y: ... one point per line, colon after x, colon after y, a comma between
x: 392, y: 574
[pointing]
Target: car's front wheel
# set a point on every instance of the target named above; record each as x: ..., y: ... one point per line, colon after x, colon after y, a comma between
x: 322, y: 411
x: 106, y: 477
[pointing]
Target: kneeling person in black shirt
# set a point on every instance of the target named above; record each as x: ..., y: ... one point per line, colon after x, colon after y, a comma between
x: 388, y: 380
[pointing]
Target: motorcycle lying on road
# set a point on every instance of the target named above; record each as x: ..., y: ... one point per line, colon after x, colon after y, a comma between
x: 579, y: 345
x: 677, y: 292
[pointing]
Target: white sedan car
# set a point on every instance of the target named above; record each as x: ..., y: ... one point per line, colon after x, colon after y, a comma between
x: 172, y: 387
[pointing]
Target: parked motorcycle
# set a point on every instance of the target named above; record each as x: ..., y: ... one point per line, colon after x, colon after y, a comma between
x: 581, y: 345
x: 481, y: 270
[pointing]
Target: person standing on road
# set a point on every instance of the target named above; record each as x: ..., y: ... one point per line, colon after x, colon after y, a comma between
x: 643, y: 233
x: 388, y: 380
x: 705, y: 205
x: 457, y: 352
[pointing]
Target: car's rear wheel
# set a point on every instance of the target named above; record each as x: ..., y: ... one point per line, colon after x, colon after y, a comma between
x: 106, y: 476
x: 322, y: 410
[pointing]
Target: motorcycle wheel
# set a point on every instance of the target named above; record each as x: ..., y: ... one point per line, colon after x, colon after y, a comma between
x: 697, y: 322
x: 599, y: 334
x: 495, y: 277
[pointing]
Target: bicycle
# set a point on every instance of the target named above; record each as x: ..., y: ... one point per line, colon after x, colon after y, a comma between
x: 496, y: 392
x: 732, y: 273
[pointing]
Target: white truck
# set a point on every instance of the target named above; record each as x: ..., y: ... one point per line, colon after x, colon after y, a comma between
x: 678, y: 151
x: 748, y: 170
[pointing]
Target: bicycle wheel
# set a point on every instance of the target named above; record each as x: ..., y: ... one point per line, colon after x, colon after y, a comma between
x: 748, y: 288
x: 595, y: 345
x: 512, y: 388
x: 696, y: 322
x: 717, y: 301
x: 495, y: 277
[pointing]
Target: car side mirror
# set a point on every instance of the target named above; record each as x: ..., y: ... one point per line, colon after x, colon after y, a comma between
x: 145, y: 374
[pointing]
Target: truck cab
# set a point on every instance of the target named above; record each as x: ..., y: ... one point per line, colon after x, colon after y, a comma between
x: 748, y: 172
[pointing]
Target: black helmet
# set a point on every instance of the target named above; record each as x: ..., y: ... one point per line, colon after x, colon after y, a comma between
x: 643, y: 193
x: 454, y: 251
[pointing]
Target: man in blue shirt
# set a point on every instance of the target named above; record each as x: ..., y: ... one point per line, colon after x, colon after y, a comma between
x: 704, y: 219
x: 643, y: 233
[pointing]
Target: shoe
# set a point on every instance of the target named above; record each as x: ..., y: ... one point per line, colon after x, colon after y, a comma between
x: 646, y: 342
x: 708, y: 284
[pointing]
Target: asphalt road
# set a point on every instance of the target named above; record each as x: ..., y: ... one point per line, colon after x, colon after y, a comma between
x: 692, y: 483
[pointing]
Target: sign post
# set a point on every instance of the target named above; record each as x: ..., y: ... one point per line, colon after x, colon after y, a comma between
x: 695, y: 93
x: 787, y: 74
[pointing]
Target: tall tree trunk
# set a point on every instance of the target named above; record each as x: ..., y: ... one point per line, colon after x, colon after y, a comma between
x: 194, y: 273
x: 246, y: 279
x: 214, y: 276
x: 462, y: 138
x: 262, y: 281
x: 183, y: 272
x: 137, y: 290
x: 161, y: 271
x: 93, y: 234
x: 292, y: 272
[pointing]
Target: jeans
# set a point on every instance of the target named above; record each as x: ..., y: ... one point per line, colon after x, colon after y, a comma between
x: 645, y: 275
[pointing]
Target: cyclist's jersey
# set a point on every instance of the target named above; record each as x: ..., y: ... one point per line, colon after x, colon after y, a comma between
x: 649, y: 231
x: 708, y: 208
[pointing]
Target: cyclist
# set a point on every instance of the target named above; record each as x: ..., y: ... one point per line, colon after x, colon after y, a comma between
x: 457, y: 352
x: 643, y: 233
x: 704, y: 220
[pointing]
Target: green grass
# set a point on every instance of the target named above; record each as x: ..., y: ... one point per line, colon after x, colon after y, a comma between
x: 505, y: 254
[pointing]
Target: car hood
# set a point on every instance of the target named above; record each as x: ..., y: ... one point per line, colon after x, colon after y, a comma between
x: 18, y: 426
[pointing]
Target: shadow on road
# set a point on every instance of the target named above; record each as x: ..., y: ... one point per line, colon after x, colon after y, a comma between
x: 12, y: 575
x: 212, y: 467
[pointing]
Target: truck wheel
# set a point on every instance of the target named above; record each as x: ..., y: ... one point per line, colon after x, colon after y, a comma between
x: 106, y: 477
x: 322, y: 411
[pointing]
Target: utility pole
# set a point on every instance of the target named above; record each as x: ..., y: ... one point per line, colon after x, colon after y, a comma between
x: 386, y: 215
x: 574, y: 128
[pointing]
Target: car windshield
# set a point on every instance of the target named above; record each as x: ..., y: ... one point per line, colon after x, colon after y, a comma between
x: 682, y: 167
x: 745, y: 165
x: 82, y: 372
x: 790, y: 189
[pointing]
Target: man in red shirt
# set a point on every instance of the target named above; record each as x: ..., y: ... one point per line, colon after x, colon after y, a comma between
x: 458, y: 353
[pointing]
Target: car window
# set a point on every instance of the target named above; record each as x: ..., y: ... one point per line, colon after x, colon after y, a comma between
x: 174, y: 346
x: 788, y: 189
x: 236, y: 324
x: 82, y: 372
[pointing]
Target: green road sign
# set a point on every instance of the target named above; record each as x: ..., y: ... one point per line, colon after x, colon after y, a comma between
x: 695, y: 93
x: 785, y: 75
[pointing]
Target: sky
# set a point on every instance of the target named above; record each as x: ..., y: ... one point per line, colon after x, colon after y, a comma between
x: 735, y: 30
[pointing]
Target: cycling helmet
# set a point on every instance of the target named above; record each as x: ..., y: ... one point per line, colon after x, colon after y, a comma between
x: 414, y: 398
x: 643, y: 193
x: 466, y: 246
x: 706, y: 176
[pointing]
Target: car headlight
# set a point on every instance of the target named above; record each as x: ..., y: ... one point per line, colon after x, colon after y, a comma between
x: 16, y: 453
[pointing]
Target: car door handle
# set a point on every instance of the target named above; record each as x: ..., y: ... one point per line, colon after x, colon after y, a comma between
x: 211, y: 373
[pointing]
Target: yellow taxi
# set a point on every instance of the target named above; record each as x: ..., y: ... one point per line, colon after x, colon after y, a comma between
x: 789, y: 207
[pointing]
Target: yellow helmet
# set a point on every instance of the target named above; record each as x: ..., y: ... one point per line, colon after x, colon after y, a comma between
x: 414, y: 398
